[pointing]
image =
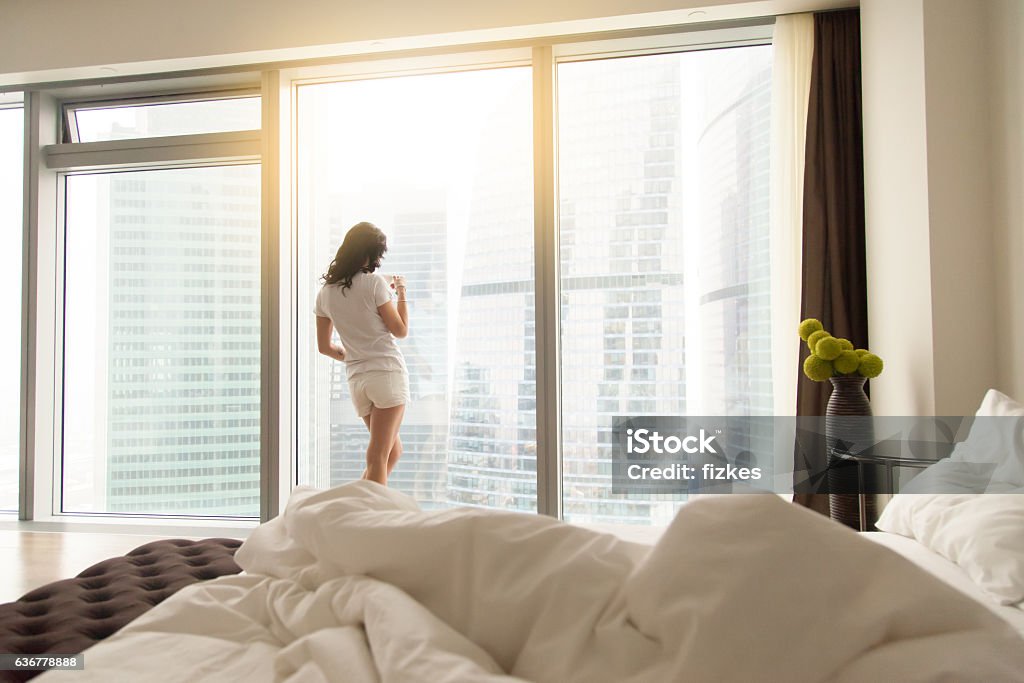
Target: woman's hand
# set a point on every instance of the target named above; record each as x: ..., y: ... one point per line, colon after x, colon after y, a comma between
x: 396, y: 313
x: 398, y: 284
x: 324, y: 343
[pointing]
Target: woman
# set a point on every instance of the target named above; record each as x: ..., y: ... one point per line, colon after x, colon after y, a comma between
x: 356, y: 301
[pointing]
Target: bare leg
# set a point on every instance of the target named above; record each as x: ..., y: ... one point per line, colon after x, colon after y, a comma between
x: 396, y: 453
x: 384, y: 424
x: 393, y: 456
x: 366, y: 419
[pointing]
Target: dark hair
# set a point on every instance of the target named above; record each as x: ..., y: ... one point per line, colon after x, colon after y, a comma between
x: 361, y: 250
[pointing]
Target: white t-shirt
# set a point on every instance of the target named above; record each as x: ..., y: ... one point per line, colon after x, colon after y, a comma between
x: 368, y: 343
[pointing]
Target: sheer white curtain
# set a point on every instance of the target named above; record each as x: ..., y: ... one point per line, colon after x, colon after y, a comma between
x: 793, y: 44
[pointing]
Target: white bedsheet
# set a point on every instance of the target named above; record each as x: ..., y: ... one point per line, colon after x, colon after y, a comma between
x: 357, y: 584
x: 926, y: 559
x: 949, y: 572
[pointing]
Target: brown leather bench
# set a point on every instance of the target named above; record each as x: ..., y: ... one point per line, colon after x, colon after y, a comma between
x: 66, y: 617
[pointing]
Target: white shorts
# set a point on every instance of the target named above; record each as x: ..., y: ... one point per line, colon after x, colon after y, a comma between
x: 380, y: 388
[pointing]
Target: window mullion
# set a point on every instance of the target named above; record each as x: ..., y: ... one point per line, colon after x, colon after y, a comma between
x: 549, y: 479
x: 275, y: 408
x: 40, y: 339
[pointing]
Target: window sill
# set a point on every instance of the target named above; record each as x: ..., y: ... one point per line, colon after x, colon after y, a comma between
x: 148, y: 526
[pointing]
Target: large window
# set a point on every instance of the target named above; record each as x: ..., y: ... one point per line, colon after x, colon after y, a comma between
x: 175, y: 369
x: 162, y: 342
x: 443, y: 164
x: 663, y: 189
x: 11, y: 164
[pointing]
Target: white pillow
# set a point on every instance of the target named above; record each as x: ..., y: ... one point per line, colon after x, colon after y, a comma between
x: 997, y: 438
x: 947, y: 476
x: 981, y: 532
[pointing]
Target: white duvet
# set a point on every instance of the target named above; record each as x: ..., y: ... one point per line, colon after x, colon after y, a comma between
x: 356, y: 583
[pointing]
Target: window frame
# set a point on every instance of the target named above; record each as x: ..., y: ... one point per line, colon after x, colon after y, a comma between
x: 49, y: 164
x: 11, y: 101
x: 293, y: 81
x: 750, y: 35
x: 71, y: 134
x: 203, y: 158
x: 544, y: 61
x: 49, y: 159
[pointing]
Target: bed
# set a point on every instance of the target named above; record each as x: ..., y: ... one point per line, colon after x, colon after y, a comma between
x: 356, y: 583
x: 950, y: 573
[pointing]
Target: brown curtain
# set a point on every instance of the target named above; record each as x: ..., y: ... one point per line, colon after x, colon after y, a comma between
x: 834, y: 286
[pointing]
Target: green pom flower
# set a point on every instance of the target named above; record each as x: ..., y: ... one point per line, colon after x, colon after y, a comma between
x: 835, y: 356
x: 828, y: 348
x: 809, y: 327
x: 847, y: 362
x: 815, y: 338
x: 817, y: 368
x: 870, y: 366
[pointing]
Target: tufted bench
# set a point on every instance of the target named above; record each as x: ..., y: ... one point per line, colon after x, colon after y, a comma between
x: 66, y: 617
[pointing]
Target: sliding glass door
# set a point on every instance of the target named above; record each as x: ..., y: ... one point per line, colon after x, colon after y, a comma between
x: 442, y: 163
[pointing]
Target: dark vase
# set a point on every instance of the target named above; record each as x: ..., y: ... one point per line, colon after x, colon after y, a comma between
x: 845, y: 426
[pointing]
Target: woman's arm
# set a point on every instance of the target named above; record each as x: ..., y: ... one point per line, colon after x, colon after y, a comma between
x: 324, y: 345
x: 396, y: 318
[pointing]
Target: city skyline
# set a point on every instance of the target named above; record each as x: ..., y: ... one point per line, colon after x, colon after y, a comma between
x: 621, y: 282
x: 664, y: 287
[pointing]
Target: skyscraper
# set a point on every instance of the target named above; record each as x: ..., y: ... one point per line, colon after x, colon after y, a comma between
x: 183, y: 326
x: 161, y: 325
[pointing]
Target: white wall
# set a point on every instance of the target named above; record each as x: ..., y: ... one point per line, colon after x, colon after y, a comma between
x: 959, y: 203
x: 941, y: 200
x: 1006, y: 59
x: 44, y: 40
x: 896, y: 205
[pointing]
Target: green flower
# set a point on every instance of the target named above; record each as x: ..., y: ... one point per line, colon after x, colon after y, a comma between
x: 809, y: 327
x: 815, y: 338
x: 847, y: 362
x: 828, y: 348
x: 817, y: 368
x: 870, y: 366
x: 835, y: 356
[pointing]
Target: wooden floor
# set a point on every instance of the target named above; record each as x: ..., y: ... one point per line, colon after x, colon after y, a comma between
x: 33, y: 558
